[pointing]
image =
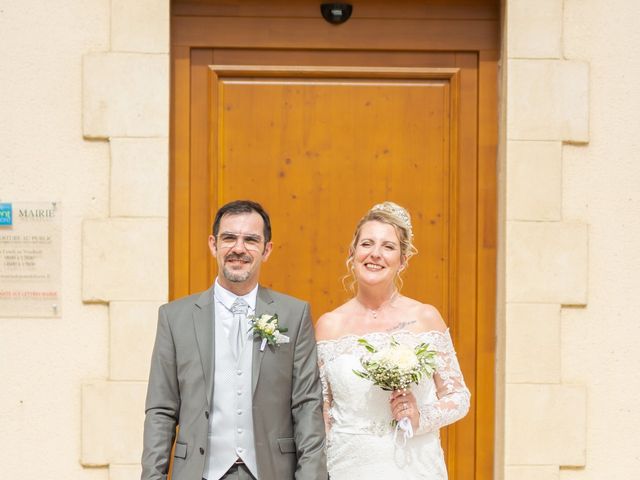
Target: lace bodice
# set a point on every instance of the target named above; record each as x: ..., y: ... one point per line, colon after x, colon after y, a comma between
x: 354, y: 405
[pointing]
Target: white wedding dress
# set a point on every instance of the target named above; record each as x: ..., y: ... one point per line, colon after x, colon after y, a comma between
x: 360, y: 440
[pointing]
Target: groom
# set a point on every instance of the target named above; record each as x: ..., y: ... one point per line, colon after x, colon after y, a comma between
x: 244, y: 410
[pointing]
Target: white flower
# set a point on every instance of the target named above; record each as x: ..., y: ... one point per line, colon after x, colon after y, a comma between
x: 280, y: 338
x: 266, y: 327
x: 267, y: 324
x: 400, y: 356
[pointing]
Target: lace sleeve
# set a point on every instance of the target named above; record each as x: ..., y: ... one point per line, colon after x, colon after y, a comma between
x: 326, y: 388
x: 453, y: 395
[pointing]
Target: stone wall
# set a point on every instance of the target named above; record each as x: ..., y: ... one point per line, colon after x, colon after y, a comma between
x: 546, y: 252
x: 569, y: 189
x: 125, y: 253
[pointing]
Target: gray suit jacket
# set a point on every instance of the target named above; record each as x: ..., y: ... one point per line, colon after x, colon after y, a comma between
x: 287, y: 395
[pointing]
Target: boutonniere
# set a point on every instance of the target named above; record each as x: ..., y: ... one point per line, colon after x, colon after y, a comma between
x: 266, y: 327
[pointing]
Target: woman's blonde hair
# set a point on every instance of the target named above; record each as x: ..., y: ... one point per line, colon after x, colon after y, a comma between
x: 391, y: 214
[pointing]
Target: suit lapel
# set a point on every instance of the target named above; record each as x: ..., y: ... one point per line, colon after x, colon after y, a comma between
x: 204, y: 326
x: 264, y: 304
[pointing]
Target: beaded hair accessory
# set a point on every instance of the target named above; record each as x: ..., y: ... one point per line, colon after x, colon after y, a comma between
x: 396, y: 211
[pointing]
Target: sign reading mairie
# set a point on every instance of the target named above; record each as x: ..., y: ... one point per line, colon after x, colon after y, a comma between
x: 32, y: 213
x: 30, y: 259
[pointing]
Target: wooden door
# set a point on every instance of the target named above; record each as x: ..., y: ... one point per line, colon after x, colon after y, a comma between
x: 318, y: 122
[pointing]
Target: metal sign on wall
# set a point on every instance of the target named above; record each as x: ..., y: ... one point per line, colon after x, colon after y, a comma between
x: 30, y: 259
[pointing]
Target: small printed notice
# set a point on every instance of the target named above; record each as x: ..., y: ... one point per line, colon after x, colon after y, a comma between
x: 30, y: 259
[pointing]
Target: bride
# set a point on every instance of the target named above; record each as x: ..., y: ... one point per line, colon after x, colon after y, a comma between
x: 358, y: 415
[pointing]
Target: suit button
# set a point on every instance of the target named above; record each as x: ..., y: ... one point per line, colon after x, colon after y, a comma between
x: 201, y: 451
x: 206, y: 414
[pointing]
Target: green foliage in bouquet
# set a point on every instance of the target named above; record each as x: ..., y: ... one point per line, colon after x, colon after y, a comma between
x: 397, y: 366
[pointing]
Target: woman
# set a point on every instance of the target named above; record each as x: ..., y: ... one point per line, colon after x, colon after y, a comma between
x: 358, y: 415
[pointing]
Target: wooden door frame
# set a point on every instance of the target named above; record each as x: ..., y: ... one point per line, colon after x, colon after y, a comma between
x: 483, y: 40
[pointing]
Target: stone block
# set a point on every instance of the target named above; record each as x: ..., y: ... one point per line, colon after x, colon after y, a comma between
x: 575, y: 184
x: 534, y: 180
x: 545, y: 425
x: 127, y: 421
x: 533, y: 343
x: 546, y: 262
x: 534, y: 28
x: 112, y: 422
x: 548, y: 100
x: 124, y: 259
x: 545, y: 472
x: 139, y: 177
x: 132, y: 333
x: 140, y: 26
x: 95, y: 424
x: 125, y: 472
x: 125, y: 95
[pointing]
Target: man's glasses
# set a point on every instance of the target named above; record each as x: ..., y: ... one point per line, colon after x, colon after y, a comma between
x: 229, y: 240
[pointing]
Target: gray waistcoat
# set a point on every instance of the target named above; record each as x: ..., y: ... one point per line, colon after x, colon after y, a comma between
x: 231, y: 424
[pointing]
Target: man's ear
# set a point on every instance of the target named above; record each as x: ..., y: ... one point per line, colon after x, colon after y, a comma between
x: 212, y: 245
x: 267, y: 251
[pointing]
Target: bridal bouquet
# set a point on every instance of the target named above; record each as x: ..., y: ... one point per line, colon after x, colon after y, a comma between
x: 396, y: 367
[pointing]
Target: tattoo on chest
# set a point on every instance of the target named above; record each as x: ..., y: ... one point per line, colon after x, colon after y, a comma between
x: 400, y: 325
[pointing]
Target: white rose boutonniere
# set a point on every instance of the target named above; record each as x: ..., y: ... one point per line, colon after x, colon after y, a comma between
x: 266, y: 327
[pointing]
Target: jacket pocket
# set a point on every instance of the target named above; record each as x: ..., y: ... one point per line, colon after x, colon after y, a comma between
x: 287, y: 445
x: 181, y: 450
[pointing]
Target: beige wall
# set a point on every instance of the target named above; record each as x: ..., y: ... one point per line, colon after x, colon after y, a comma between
x: 572, y: 236
x: 43, y: 157
x: 84, y: 98
x: 602, y: 185
x: 85, y: 122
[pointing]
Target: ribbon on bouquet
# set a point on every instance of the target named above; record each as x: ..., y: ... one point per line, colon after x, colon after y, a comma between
x: 407, y: 431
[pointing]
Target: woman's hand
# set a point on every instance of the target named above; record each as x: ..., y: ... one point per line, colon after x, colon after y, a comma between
x: 404, y: 404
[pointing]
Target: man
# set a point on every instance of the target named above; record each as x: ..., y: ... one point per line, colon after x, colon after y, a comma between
x: 245, y: 408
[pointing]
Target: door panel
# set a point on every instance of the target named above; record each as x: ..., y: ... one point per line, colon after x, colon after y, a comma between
x: 319, y: 147
x: 318, y: 131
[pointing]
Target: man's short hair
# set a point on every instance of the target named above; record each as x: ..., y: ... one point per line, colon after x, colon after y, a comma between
x: 238, y: 207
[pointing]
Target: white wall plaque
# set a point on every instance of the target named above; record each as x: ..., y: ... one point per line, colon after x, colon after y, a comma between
x: 30, y: 259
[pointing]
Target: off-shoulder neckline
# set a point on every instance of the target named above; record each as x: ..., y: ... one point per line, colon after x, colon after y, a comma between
x: 388, y: 334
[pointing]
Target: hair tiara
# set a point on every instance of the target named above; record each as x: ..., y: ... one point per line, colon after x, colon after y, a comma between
x: 396, y: 211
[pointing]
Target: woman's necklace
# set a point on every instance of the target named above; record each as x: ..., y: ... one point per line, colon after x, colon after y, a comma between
x: 374, y: 311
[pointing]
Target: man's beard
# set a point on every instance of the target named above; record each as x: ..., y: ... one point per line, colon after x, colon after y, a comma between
x: 236, y: 277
